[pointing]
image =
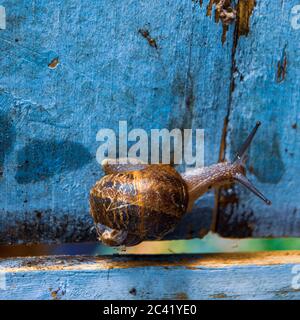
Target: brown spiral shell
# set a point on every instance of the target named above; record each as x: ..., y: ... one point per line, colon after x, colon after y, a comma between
x: 146, y: 204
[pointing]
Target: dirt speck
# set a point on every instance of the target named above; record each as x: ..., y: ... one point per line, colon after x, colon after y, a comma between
x: 281, y: 69
x: 133, y: 291
x: 57, y: 294
x: 146, y: 34
x: 54, y: 63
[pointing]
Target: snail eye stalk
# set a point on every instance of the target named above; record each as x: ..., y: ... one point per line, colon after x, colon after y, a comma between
x: 248, y: 184
x: 241, y: 158
x: 242, y: 151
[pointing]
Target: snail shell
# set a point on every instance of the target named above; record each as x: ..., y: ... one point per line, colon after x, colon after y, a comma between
x: 129, y: 207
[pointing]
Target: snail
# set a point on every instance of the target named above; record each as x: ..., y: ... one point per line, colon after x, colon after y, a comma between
x: 137, y: 202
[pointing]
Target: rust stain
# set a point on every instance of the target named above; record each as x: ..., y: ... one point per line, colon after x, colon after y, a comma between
x: 146, y: 34
x: 181, y: 296
x: 244, y: 11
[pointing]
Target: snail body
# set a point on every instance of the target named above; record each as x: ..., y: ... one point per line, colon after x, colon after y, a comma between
x: 137, y: 202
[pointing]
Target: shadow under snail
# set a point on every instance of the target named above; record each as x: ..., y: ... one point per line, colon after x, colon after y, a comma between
x: 137, y: 202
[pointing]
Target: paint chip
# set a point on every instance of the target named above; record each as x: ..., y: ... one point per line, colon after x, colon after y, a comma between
x: 54, y: 63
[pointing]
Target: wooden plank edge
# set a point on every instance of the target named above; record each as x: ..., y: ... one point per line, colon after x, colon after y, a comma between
x: 263, y: 275
x: 189, y: 261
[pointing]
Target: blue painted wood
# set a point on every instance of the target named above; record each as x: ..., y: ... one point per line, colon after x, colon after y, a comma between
x: 68, y: 70
x: 266, y: 88
x: 257, y: 276
x: 71, y: 68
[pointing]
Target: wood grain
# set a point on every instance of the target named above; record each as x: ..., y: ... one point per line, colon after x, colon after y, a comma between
x: 262, y: 275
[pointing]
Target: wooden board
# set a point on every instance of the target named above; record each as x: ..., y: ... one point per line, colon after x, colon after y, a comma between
x: 221, y: 276
x: 69, y: 69
x: 266, y: 88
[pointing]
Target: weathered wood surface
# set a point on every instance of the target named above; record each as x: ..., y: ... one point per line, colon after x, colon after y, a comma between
x: 220, y: 276
x: 69, y: 69
x: 266, y: 87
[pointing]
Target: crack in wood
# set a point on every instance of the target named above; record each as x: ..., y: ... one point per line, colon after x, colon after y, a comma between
x: 244, y: 11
